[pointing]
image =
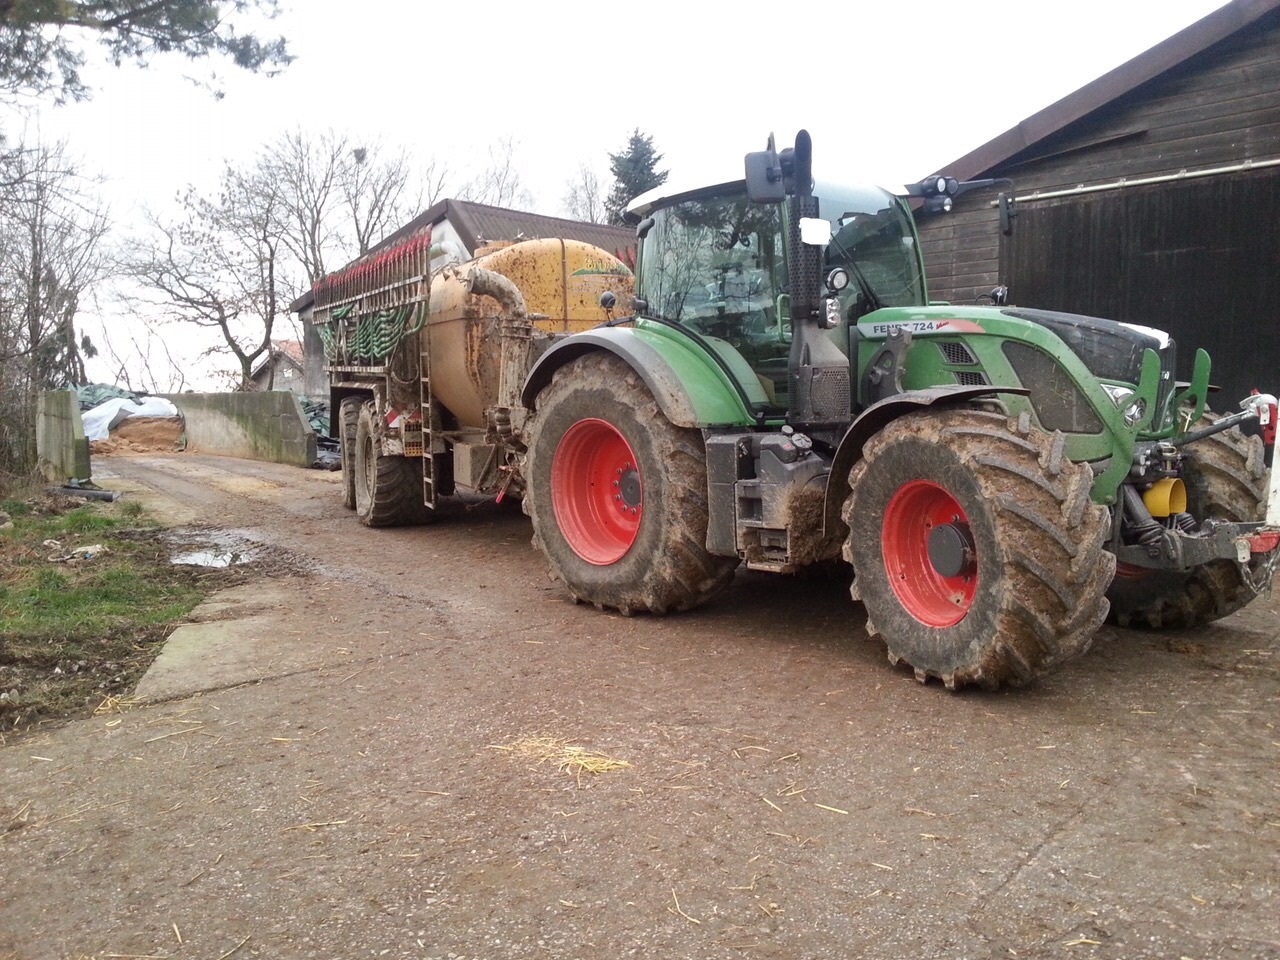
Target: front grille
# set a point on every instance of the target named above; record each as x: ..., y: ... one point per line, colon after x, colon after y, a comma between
x: 957, y: 354
x: 1055, y: 397
x: 971, y: 378
x: 829, y: 394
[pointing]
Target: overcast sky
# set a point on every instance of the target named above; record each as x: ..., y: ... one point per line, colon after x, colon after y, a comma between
x: 891, y: 91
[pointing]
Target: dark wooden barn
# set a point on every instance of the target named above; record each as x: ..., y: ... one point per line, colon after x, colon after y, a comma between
x: 1151, y: 196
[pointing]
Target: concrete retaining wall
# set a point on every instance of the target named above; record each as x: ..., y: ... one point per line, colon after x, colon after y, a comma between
x: 61, y: 446
x: 256, y: 426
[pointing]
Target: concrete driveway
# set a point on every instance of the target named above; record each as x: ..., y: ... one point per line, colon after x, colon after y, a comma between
x: 363, y: 759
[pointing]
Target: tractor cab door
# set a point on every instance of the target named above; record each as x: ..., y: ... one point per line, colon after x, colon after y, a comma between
x: 715, y: 265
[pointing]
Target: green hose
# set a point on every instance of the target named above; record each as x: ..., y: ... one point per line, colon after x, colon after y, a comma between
x: 375, y: 337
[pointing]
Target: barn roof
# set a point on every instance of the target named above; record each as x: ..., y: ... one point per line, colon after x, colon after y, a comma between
x: 478, y: 224
x: 1164, y: 56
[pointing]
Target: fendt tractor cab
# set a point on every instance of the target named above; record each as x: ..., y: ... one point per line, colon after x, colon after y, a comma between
x: 1001, y: 479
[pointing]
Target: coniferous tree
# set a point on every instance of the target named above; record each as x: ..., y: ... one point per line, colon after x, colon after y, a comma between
x: 635, y: 170
x: 42, y: 42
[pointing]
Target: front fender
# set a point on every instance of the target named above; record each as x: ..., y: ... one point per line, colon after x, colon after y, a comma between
x: 878, y: 416
x: 691, y: 389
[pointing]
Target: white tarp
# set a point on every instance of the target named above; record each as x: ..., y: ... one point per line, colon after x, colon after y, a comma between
x: 99, y: 421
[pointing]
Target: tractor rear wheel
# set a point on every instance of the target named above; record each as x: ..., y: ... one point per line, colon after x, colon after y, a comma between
x: 618, y: 494
x: 1226, y: 479
x: 975, y: 547
x: 348, y: 418
x: 388, y: 490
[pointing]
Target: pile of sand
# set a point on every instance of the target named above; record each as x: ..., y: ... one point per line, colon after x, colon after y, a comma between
x: 141, y: 435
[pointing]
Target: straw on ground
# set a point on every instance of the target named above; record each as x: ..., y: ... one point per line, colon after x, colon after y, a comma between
x: 566, y: 756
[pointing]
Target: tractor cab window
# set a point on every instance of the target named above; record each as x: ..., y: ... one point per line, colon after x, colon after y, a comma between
x: 716, y: 265
x: 878, y: 247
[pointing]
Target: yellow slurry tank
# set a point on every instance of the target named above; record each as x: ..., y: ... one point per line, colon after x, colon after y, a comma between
x: 558, y: 284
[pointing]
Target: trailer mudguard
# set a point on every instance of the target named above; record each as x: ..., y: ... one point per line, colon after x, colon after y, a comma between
x: 875, y: 418
x: 691, y: 388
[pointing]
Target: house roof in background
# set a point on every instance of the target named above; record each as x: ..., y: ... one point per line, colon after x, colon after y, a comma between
x: 290, y: 350
x: 1164, y: 56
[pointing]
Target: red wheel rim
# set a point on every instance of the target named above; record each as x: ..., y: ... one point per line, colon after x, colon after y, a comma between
x: 916, y: 511
x: 596, y: 492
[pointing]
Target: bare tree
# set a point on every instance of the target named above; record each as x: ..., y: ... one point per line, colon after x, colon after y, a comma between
x: 274, y: 227
x: 52, y: 226
x: 583, y: 199
x: 308, y: 172
x: 148, y: 367
x: 433, y: 179
x: 499, y: 183
x: 340, y: 197
x: 146, y: 362
x: 221, y: 267
x: 376, y: 193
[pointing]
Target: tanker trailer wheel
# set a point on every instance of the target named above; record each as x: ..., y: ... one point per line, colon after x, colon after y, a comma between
x: 388, y: 490
x: 348, y: 417
x: 618, y: 494
x: 1226, y: 479
x: 975, y: 548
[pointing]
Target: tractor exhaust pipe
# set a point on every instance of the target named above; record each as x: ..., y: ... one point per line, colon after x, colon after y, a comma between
x: 818, y: 372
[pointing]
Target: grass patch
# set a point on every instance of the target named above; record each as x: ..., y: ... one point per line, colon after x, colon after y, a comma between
x: 74, y: 633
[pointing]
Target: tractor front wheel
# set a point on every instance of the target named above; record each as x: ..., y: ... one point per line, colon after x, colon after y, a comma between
x: 1226, y: 479
x: 618, y: 494
x: 976, y: 549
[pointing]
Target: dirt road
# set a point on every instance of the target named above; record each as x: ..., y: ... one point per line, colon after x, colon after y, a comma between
x: 789, y: 793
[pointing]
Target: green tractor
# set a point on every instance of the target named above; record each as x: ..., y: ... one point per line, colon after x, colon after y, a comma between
x: 1002, y: 480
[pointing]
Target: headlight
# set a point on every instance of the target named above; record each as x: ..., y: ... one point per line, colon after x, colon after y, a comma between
x: 1117, y: 393
x: 1120, y: 396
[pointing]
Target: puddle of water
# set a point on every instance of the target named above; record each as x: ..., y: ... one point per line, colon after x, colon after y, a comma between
x: 210, y: 558
x: 210, y: 548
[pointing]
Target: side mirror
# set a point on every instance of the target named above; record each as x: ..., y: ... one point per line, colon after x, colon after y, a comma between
x: 765, y: 183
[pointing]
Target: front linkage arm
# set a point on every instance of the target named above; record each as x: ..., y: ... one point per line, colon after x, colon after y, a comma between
x: 1180, y: 546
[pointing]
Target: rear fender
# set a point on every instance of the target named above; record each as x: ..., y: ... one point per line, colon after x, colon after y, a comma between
x: 690, y: 388
x: 878, y: 416
x: 340, y: 391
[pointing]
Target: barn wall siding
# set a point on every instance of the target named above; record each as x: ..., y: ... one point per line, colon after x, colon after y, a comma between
x: 1199, y: 259
x: 1218, y: 108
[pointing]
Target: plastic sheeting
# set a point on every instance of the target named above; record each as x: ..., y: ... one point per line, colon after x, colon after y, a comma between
x: 92, y: 394
x: 99, y: 421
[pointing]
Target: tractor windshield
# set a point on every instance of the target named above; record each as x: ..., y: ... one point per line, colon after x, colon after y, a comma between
x: 715, y: 264
x: 873, y: 238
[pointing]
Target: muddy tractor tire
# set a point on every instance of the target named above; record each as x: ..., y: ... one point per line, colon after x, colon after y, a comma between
x: 388, y: 490
x: 975, y: 547
x: 1226, y: 479
x: 618, y: 494
x: 348, y: 418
